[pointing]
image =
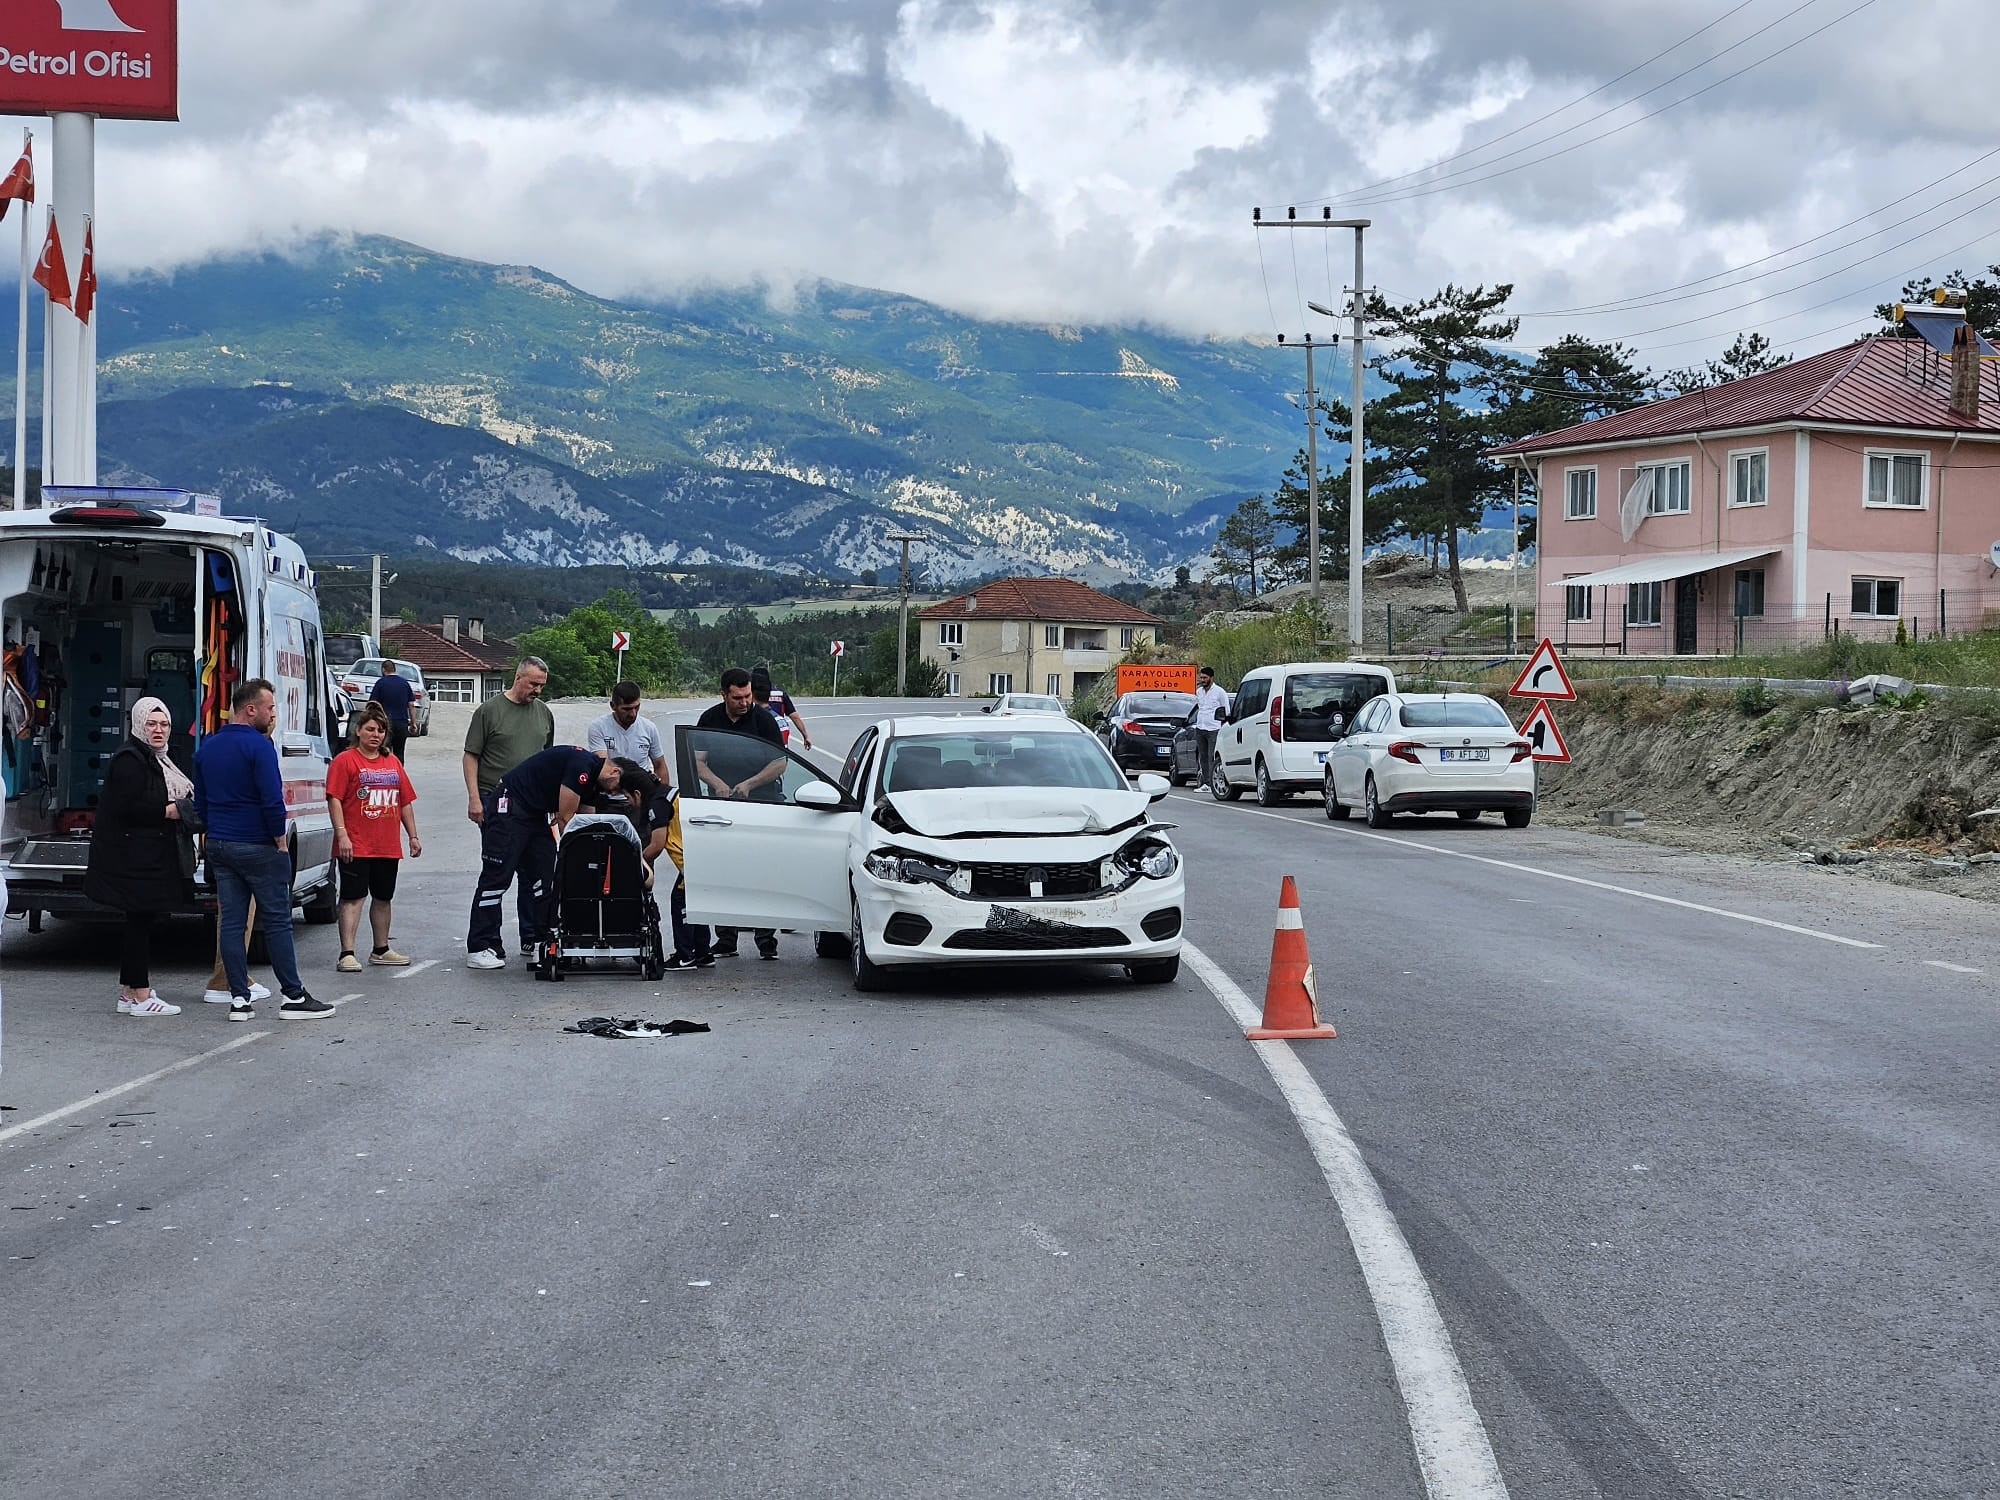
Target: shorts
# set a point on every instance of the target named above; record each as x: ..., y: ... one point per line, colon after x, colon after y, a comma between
x: 368, y: 877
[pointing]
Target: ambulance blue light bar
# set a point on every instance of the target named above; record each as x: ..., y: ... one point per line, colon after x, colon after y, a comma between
x: 106, y: 495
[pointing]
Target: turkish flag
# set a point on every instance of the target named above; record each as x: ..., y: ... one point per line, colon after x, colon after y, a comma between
x: 51, y: 274
x: 20, y: 183
x: 86, y: 277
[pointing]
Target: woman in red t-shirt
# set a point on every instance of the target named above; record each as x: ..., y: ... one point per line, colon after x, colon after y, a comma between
x: 371, y: 801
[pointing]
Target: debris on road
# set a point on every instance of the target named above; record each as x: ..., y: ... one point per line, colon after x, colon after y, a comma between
x: 611, y: 1026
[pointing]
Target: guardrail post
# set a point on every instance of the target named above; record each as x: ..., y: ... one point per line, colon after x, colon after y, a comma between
x: 1389, y: 628
x: 1940, y: 614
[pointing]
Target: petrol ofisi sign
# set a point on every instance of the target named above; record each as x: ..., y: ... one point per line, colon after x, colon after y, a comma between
x: 115, y: 58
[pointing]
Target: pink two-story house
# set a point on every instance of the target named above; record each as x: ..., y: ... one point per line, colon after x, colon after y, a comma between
x: 1842, y: 492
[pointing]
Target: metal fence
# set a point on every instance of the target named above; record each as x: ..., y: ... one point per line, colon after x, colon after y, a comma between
x: 1721, y: 632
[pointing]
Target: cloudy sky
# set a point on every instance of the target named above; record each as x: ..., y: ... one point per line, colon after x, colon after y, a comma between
x: 1097, y: 160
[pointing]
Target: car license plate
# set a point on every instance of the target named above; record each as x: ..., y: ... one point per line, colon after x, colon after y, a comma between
x: 1165, y: 750
x: 1480, y: 754
x: 1322, y: 757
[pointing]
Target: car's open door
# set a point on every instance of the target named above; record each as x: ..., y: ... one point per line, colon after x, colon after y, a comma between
x: 764, y: 833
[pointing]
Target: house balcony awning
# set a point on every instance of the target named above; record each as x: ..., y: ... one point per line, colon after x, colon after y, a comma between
x: 1660, y: 569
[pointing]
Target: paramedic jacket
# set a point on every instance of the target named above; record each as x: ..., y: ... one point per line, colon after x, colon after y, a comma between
x: 239, y: 793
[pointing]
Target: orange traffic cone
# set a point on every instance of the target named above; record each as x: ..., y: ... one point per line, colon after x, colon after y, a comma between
x: 1290, y: 1012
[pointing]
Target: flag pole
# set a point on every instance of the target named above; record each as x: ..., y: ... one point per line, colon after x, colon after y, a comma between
x: 21, y: 354
x: 80, y: 472
x: 48, y: 356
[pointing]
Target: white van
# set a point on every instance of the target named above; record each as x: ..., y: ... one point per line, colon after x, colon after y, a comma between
x: 1282, y: 721
x: 109, y: 595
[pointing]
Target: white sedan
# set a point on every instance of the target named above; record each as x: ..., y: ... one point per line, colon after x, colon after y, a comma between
x: 1009, y: 704
x: 1430, y: 752
x: 945, y: 840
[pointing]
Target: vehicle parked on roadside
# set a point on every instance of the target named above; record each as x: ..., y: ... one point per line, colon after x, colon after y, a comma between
x: 114, y: 593
x: 945, y: 840
x: 358, y: 681
x: 1009, y: 704
x: 1282, y: 722
x: 1430, y: 752
x: 346, y: 647
x: 1139, y: 729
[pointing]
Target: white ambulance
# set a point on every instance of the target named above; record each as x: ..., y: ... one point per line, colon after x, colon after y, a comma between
x: 112, y: 594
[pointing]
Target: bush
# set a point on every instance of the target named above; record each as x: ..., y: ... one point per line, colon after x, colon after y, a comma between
x: 1755, y: 699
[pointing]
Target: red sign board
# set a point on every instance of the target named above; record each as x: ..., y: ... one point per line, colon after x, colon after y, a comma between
x: 1544, y: 676
x: 1539, y: 730
x: 1155, y: 677
x: 115, y: 58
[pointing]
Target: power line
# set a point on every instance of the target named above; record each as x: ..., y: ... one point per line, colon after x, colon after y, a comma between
x: 1541, y: 119
x: 1447, y: 187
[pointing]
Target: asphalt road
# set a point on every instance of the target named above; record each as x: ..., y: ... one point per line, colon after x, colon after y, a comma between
x: 1704, y: 1202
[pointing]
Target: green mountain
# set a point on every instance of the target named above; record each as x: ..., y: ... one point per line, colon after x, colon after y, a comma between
x: 495, y: 411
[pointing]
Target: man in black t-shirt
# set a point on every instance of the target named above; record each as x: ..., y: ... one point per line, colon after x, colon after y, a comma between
x: 514, y: 839
x: 753, y: 770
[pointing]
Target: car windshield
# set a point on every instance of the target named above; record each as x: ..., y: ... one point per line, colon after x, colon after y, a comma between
x: 1159, y: 705
x: 1466, y: 713
x: 1026, y: 757
x: 1313, y: 698
x: 345, y: 648
x: 1033, y: 704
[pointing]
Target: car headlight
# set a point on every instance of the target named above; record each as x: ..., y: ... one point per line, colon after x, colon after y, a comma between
x: 1153, y: 858
x: 906, y: 868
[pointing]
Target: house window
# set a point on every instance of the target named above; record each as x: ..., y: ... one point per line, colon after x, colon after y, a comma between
x: 1000, y: 682
x: 1896, y: 481
x: 1670, y: 490
x: 1576, y: 602
x: 1749, y: 593
x: 1052, y: 635
x: 1749, y: 479
x: 1055, y: 684
x: 951, y: 632
x: 1127, y: 636
x: 1580, y: 503
x: 453, y: 689
x: 1878, y: 598
x: 951, y: 684
x: 1642, y: 604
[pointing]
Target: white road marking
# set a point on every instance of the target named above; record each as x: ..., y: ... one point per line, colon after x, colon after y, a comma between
x: 1938, y: 963
x: 125, y: 1088
x: 1597, y: 885
x: 1453, y: 1452
x: 343, y: 999
x: 429, y: 963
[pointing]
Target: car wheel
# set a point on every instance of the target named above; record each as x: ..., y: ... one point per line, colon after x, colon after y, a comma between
x: 1219, y: 786
x: 832, y: 944
x: 1468, y: 815
x: 1372, y: 802
x: 1336, y: 810
x: 323, y: 906
x: 1155, y: 970
x: 1267, y: 794
x: 864, y: 971
x: 1517, y: 817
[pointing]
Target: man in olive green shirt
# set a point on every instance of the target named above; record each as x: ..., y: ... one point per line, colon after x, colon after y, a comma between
x: 505, y: 731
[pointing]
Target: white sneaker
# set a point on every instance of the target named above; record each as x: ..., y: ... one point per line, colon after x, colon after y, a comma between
x: 485, y: 958
x: 223, y: 997
x: 152, y: 1005
x: 125, y: 1005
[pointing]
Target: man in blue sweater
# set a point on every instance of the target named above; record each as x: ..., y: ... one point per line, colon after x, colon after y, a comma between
x: 394, y: 692
x: 239, y: 795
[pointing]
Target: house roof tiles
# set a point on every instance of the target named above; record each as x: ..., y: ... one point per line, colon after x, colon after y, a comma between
x: 427, y: 647
x: 1876, y: 382
x: 1039, y: 599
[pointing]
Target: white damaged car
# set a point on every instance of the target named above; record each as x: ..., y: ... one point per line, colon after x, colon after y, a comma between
x: 944, y: 840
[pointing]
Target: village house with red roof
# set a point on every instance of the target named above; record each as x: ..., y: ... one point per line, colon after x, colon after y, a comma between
x: 1031, y: 635
x: 1844, y: 492
x: 460, y: 662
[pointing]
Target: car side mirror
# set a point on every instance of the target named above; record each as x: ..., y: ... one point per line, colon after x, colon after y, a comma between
x: 820, y: 794
x: 1155, y: 787
x: 987, y: 709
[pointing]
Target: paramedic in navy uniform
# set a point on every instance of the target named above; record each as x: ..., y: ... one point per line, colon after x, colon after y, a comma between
x: 514, y: 838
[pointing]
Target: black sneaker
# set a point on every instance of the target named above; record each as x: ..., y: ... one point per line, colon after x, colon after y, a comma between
x: 705, y: 961
x: 304, y: 1008
x: 242, y: 1010
x: 679, y: 965
x: 725, y: 950
x: 770, y: 952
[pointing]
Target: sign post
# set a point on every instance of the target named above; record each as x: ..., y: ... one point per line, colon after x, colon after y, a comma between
x: 621, y: 641
x: 1545, y: 680
x: 839, y: 650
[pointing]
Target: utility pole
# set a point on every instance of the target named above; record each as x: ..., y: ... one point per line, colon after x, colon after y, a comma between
x: 1312, y: 463
x: 1357, y: 488
x: 903, y: 612
x: 375, y: 600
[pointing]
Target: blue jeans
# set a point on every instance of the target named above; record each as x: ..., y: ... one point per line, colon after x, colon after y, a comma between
x: 241, y: 871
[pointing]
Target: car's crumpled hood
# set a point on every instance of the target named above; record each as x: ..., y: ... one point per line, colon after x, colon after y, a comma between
x: 1021, y: 811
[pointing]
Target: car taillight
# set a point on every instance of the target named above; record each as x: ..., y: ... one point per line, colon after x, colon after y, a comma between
x: 1278, y: 720
x: 1133, y: 726
x: 1522, y: 750
x: 1406, y: 750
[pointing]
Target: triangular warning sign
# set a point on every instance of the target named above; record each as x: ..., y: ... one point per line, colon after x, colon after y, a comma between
x: 1539, y: 729
x: 1543, y: 676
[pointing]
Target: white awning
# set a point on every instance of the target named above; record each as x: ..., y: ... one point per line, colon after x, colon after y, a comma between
x: 1659, y: 569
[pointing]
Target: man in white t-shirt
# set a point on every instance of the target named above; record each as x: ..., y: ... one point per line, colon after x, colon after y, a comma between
x: 625, y: 732
x: 1211, y: 711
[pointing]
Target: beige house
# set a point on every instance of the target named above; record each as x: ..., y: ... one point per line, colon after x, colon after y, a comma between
x: 1031, y: 635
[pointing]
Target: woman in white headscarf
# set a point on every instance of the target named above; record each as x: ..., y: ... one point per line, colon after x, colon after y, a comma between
x: 142, y: 849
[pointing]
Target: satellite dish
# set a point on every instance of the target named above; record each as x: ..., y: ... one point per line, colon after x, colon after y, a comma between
x: 1993, y: 554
